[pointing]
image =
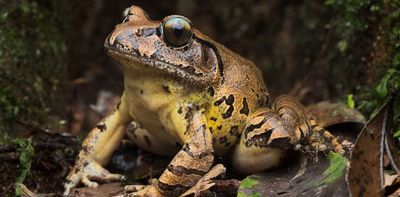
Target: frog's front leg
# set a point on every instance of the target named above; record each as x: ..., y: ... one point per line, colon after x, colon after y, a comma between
x: 97, y: 149
x: 188, y: 166
x: 269, y: 133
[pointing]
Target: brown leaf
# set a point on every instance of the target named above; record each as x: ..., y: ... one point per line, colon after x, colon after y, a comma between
x: 330, y: 114
x: 365, y: 175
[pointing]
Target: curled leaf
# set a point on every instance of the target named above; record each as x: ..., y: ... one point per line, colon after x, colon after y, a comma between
x: 365, y: 174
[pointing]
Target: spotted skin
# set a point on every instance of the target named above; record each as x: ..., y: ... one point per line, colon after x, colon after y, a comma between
x: 192, y: 101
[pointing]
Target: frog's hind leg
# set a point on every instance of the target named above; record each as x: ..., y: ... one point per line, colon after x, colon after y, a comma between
x: 262, y: 144
x: 269, y: 133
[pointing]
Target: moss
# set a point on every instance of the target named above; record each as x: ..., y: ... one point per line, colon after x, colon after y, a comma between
x: 336, y: 169
x: 249, y: 182
x: 32, y: 59
x: 26, y: 153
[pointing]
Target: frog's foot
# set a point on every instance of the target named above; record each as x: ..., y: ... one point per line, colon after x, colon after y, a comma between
x: 87, y: 171
x: 328, y: 141
x: 202, y: 184
x: 205, y: 182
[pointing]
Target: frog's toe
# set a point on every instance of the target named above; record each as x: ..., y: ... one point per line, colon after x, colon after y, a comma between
x: 87, y: 182
x: 134, y: 188
x: 142, y: 191
x: 106, y: 177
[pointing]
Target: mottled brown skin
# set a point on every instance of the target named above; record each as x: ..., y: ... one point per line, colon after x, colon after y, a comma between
x: 193, y: 100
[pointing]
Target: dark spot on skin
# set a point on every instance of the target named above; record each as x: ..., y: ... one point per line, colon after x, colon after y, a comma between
x: 85, y: 163
x: 261, y: 140
x: 180, y: 110
x: 187, y: 150
x: 255, y: 126
x: 141, y: 91
x: 302, y: 135
x: 213, y: 118
x: 85, y: 149
x: 148, y: 142
x: 263, y: 100
x: 171, y: 189
x: 119, y: 103
x: 252, y: 90
x: 281, y: 143
x: 182, y: 170
x: 228, y: 112
x: 158, y: 32
x: 101, y: 127
x: 223, y: 139
x: 166, y: 89
x: 219, y: 101
x: 230, y: 100
x: 211, y: 129
x: 219, y: 127
x: 245, y: 108
x: 189, y: 115
x: 190, y: 70
x: 211, y: 91
x: 234, y: 130
x: 247, y: 77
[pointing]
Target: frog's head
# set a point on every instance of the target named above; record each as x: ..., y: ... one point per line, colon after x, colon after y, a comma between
x: 170, y: 46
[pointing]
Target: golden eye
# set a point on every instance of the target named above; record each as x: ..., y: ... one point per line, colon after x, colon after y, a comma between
x: 177, y: 31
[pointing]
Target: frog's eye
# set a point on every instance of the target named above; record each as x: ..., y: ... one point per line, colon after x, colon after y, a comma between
x: 177, y: 31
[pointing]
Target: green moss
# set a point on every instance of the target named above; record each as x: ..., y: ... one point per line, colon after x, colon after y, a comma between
x: 26, y: 153
x: 249, y: 182
x: 32, y: 59
x: 336, y: 169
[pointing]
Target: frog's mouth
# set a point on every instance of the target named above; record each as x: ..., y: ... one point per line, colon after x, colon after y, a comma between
x: 133, y: 59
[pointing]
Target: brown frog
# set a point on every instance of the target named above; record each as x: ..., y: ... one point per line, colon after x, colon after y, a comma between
x: 191, y: 97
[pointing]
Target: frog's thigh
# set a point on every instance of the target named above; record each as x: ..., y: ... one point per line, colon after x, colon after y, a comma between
x: 145, y: 140
x: 262, y: 145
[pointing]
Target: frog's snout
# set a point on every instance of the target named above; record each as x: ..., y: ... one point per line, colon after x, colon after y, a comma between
x: 118, y: 39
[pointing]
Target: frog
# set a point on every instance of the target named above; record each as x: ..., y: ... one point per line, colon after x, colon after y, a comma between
x: 189, y: 96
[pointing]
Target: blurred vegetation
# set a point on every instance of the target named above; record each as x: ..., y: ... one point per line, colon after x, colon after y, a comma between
x: 370, y: 31
x: 32, y: 60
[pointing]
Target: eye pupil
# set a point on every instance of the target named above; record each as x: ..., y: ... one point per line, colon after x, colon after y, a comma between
x: 177, y: 31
